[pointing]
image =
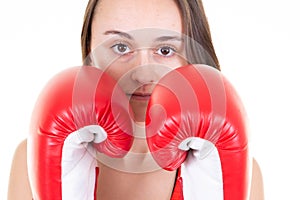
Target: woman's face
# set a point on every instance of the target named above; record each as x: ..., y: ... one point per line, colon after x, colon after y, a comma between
x: 137, y: 42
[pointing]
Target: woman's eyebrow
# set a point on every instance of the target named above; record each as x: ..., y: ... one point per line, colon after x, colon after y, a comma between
x: 119, y: 33
x: 158, y: 39
x: 168, y: 38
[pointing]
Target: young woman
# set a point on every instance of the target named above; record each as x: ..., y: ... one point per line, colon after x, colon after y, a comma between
x: 118, y: 30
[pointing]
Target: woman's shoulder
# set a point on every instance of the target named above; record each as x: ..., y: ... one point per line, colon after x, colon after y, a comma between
x: 257, y: 187
x: 20, y: 156
x: 21, y: 148
x: 19, y: 187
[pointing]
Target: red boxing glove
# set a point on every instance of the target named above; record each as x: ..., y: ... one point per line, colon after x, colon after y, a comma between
x: 197, y: 124
x: 81, y: 110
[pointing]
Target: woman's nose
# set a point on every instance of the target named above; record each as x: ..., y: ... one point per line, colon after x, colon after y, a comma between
x: 143, y: 57
x: 145, y: 74
x: 145, y: 71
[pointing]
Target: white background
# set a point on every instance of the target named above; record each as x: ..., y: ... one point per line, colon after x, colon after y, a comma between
x: 257, y: 42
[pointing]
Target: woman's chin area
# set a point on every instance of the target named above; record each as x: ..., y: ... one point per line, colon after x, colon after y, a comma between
x: 139, y: 108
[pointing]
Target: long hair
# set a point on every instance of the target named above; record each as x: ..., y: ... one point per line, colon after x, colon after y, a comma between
x: 199, y: 45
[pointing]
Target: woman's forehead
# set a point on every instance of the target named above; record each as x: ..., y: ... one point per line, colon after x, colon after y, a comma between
x: 128, y: 15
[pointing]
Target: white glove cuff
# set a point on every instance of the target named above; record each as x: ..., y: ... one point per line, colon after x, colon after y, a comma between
x: 201, y: 172
x: 79, y: 163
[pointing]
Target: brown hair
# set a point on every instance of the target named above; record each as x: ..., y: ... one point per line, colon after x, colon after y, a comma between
x: 199, y: 44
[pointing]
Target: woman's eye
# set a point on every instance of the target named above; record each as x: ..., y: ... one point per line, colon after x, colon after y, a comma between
x: 121, y: 49
x: 166, y: 51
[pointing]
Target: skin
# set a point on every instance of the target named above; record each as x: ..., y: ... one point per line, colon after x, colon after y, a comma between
x: 137, y: 64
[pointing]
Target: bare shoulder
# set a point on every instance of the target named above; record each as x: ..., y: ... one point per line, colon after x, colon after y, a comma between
x: 18, y: 187
x: 257, y: 187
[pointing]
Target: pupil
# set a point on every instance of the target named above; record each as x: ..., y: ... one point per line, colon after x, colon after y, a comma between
x: 122, y: 48
x: 165, y: 51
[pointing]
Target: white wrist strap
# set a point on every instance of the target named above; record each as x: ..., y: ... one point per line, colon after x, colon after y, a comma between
x: 201, y: 172
x: 79, y: 162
